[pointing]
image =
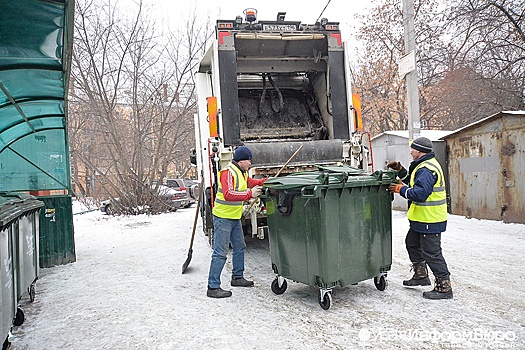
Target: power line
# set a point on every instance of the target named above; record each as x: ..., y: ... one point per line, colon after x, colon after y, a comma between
x: 328, y: 3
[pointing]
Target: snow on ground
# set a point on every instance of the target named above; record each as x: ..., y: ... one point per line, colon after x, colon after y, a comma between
x: 126, y: 291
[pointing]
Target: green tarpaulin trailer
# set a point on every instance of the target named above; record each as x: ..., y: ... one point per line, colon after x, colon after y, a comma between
x: 36, y: 39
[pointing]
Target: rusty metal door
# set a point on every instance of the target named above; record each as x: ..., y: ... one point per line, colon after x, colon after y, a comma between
x: 512, y: 165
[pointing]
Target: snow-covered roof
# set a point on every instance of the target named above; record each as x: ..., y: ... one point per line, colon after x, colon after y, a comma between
x: 497, y: 115
x: 432, y: 135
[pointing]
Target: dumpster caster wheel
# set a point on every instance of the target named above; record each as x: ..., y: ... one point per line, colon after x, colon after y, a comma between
x: 19, y: 318
x: 380, y: 282
x: 31, y: 291
x: 7, y: 343
x: 279, y: 290
x: 324, y: 299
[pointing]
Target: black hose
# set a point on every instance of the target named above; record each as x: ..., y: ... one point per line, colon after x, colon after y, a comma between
x: 281, y: 99
x: 263, y: 95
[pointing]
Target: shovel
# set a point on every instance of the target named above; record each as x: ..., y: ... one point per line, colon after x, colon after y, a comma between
x: 190, y: 251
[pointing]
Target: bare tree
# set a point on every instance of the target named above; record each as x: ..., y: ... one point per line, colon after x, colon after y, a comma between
x: 489, y: 38
x: 376, y: 75
x: 135, y: 94
x: 470, y: 61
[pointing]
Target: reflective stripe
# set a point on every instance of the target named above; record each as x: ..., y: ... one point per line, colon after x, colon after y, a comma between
x: 434, y: 209
x: 226, y: 202
x: 431, y: 204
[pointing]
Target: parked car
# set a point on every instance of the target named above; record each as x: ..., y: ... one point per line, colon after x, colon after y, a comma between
x: 192, y: 188
x: 176, y: 183
x: 175, y: 197
x: 106, y: 207
x: 179, y: 184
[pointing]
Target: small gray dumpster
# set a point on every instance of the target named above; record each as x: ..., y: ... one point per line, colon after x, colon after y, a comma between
x: 25, y: 244
x: 19, y: 231
x: 8, y: 217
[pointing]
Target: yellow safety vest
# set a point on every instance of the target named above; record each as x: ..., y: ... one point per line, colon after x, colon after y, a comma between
x: 230, y: 210
x: 434, y: 209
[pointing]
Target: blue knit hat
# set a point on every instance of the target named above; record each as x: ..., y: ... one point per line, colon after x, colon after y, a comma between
x: 242, y: 153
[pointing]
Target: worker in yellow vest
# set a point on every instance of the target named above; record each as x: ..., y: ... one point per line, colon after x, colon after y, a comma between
x: 424, y: 187
x: 234, y: 187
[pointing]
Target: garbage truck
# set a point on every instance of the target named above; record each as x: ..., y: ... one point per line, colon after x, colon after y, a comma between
x: 275, y: 86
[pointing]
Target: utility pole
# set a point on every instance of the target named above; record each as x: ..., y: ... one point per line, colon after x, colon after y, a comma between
x: 414, y: 124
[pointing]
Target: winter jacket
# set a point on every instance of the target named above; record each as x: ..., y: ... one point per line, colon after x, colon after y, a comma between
x: 422, y: 183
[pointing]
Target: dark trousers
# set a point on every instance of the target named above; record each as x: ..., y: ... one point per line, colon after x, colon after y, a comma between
x: 427, y: 247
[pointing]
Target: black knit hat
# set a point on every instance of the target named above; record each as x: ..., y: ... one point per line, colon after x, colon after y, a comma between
x: 422, y: 144
x: 242, y: 153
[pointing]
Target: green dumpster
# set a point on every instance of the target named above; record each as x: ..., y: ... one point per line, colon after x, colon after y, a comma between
x: 330, y: 227
x: 57, y: 241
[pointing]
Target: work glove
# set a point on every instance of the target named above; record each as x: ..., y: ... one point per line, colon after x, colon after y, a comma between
x: 395, y: 187
x: 395, y: 166
x: 256, y: 191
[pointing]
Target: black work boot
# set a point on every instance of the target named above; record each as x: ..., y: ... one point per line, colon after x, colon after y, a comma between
x: 241, y: 282
x: 218, y: 293
x: 442, y: 290
x: 420, y: 277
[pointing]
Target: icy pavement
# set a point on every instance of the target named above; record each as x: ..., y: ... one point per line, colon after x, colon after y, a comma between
x: 126, y: 291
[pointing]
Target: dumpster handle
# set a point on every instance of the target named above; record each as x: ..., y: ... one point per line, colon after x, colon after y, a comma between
x: 311, y: 192
x: 385, y: 176
x: 284, y: 205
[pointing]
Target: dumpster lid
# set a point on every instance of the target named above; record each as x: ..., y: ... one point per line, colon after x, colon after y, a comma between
x: 9, y: 210
x: 15, y: 204
x: 6, y: 201
x: 18, y: 195
x: 342, y: 169
x: 342, y: 175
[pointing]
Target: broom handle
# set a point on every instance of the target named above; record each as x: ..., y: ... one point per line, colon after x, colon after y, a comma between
x: 282, y: 168
x: 288, y: 161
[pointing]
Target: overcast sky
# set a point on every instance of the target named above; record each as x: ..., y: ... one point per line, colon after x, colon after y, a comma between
x: 296, y: 10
